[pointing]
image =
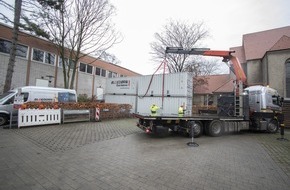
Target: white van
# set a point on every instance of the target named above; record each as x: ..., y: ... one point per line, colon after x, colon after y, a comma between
x: 32, y: 94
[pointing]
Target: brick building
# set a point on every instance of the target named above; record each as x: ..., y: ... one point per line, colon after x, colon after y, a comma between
x: 38, y: 63
x: 265, y: 57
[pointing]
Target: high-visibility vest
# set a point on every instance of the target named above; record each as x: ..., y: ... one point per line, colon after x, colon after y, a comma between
x: 180, y: 110
x: 154, y: 108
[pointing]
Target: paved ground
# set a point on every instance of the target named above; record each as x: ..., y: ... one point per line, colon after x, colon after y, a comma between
x: 117, y: 155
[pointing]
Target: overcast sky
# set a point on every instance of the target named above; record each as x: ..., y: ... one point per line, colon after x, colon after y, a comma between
x: 226, y: 20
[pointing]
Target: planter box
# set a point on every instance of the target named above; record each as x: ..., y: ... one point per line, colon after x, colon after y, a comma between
x: 75, y: 115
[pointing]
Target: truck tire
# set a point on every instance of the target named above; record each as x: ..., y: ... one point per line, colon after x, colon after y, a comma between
x: 272, y: 126
x: 197, y: 128
x: 3, y: 119
x: 215, y: 128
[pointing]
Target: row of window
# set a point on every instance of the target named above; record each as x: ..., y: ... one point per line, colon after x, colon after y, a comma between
x: 49, y: 58
x: 98, y: 71
x: 5, y: 47
x: 44, y: 57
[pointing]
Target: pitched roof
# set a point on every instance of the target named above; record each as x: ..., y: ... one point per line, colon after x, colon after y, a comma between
x: 258, y: 43
x: 215, y: 84
x: 283, y: 43
x: 108, y: 66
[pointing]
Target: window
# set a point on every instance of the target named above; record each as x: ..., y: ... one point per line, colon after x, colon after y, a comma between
x: 38, y: 55
x: 86, y: 68
x: 67, y: 62
x: 4, y: 96
x: 49, y: 58
x: 287, y: 65
x: 60, y: 62
x: 110, y: 74
x: 104, y: 73
x: 72, y: 97
x: 25, y: 96
x: 100, y: 72
x: 275, y: 100
x: 5, y: 46
x: 82, y: 67
x: 11, y: 100
x: 21, y: 51
x: 90, y: 69
x: 44, y: 57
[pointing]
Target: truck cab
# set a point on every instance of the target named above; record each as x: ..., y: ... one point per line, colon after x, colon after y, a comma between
x: 264, y: 99
x: 265, y: 108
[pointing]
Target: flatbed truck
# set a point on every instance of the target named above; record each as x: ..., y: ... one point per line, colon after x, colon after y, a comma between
x: 256, y: 108
x: 212, y: 125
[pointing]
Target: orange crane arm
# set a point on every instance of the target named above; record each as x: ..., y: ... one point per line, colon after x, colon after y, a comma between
x: 227, y: 55
x: 239, y: 72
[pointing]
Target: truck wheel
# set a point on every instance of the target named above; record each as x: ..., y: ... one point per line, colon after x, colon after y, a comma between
x: 197, y: 128
x: 215, y: 128
x: 3, y: 119
x: 272, y: 126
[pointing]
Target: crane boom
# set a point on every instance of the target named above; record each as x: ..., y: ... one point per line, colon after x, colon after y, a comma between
x: 227, y: 56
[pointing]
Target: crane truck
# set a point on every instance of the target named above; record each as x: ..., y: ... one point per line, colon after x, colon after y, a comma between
x: 252, y: 108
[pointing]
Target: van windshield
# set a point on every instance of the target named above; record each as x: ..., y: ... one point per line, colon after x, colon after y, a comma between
x: 2, y: 96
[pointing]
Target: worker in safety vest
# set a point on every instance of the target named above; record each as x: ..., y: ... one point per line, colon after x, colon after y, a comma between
x: 181, y: 110
x: 154, y: 109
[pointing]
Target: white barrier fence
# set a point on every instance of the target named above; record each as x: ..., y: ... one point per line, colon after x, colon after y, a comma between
x: 31, y: 117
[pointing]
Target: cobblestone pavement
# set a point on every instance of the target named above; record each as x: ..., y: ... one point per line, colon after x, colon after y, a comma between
x: 278, y: 150
x: 117, y: 155
x: 68, y: 136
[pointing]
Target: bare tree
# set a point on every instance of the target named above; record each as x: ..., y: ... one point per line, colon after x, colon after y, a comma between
x: 77, y: 28
x: 204, y: 67
x: 179, y: 34
x: 108, y: 57
x: 11, y: 64
x: 19, y: 10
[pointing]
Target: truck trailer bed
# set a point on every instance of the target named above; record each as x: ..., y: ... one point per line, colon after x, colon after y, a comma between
x: 186, y: 117
x: 193, y: 124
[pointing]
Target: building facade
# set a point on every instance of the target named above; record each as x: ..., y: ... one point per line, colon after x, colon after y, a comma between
x: 208, y: 93
x: 38, y: 64
x: 265, y: 58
